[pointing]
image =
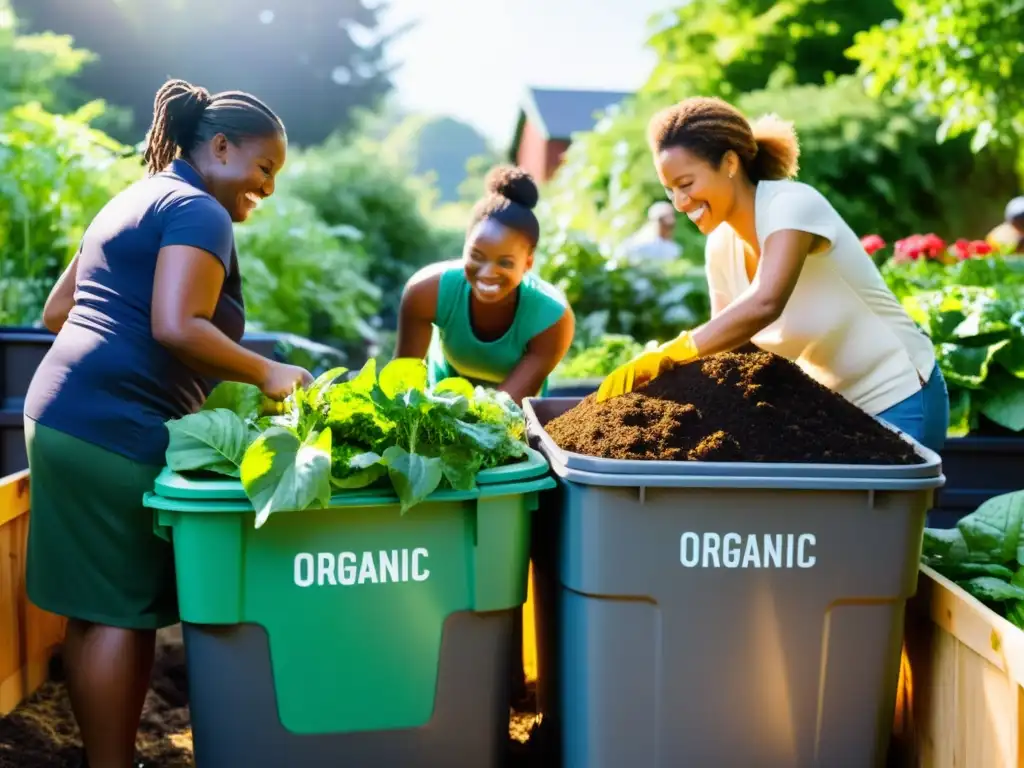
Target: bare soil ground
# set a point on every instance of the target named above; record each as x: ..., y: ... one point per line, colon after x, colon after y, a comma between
x: 41, y: 733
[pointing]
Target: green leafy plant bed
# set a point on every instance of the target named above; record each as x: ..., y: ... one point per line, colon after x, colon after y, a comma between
x: 368, y: 431
x: 984, y: 554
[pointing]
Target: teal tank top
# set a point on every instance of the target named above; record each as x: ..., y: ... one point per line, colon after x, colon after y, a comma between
x: 455, y: 349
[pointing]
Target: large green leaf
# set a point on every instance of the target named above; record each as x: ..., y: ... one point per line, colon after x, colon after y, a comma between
x: 1004, y: 400
x: 456, y: 385
x: 413, y: 475
x: 967, y: 366
x: 245, y: 400
x: 353, y: 468
x: 943, y: 546
x: 281, y: 473
x: 991, y: 589
x: 211, y: 441
x: 460, y: 465
x: 402, y: 374
x: 993, y: 531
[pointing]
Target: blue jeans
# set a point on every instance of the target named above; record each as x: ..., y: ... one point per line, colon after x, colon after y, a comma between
x: 924, y: 415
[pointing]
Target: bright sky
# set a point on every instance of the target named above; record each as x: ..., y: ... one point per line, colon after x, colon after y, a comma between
x: 472, y: 59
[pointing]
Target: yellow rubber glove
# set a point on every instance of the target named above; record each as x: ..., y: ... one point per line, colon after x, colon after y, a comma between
x: 646, y: 366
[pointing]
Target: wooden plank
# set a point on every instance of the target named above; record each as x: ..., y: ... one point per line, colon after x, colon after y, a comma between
x: 28, y: 635
x: 961, y: 683
x: 13, y: 496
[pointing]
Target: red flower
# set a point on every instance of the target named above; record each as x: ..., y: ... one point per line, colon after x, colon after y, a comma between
x: 962, y: 249
x: 914, y: 247
x: 966, y: 249
x: 872, y: 243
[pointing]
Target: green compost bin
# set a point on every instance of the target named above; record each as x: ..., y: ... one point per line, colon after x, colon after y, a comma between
x: 354, y: 634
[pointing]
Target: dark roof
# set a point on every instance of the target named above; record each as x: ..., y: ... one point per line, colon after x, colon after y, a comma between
x: 558, y: 113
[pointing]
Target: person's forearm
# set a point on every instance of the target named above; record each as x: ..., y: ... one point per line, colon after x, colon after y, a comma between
x: 735, y: 325
x: 203, y: 347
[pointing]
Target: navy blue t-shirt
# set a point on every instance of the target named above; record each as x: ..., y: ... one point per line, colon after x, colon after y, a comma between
x: 106, y: 380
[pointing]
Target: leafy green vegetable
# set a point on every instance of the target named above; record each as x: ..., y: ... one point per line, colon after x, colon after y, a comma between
x: 974, y: 313
x: 245, y: 400
x: 351, y: 433
x: 984, y: 553
x: 281, y: 472
x: 213, y: 441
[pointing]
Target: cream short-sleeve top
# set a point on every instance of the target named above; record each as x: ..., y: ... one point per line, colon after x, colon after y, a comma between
x: 842, y: 325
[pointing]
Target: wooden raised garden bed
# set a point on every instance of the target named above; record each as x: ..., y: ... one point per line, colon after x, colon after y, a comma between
x: 28, y: 636
x: 961, y: 694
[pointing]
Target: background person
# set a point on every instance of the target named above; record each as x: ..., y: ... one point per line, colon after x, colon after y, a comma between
x: 1010, y: 234
x: 653, y: 242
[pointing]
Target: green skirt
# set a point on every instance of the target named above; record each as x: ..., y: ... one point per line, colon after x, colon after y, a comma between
x: 92, y: 554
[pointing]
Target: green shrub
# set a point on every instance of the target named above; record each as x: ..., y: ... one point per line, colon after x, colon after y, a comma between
x: 303, y: 277
x: 56, y: 172
x: 348, y: 185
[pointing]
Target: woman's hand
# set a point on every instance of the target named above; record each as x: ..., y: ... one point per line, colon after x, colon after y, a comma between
x: 283, y: 379
x: 647, y: 366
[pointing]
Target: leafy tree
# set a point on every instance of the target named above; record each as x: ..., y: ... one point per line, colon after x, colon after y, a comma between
x: 962, y: 60
x: 56, y: 170
x: 353, y: 184
x: 726, y: 47
x: 313, y: 61
x: 36, y: 67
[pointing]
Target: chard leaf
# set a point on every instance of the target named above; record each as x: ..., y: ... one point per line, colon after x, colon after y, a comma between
x: 245, y: 400
x: 212, y: 441
x: 460, y: 465
x: 454, y: 404
x: 961, y: 571
x: 455, y: 385
x: 993, y: 529
x: 992, y: 590
x: 281, y: 473
x: 403, y: 374
x: 487, y: 437
x: 414, y: 476
x: 943, y: 547
x: 364, y: 460
x: 353, y: 467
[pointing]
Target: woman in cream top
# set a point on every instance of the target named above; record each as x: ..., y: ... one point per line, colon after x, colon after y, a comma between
x: 787, y: 273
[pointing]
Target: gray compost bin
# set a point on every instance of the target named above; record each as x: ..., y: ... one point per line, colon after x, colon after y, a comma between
x: 723, y: 614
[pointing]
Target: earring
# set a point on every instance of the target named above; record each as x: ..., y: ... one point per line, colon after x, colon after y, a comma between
x: 731, y: 174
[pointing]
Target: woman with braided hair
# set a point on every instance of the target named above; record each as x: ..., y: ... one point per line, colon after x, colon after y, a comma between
x: 148, y: 316
x: 785, y: 271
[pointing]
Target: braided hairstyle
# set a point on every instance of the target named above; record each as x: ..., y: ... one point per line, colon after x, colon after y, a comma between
x: 185, y: 116
x: 511, y: 197
x: 709, y: 127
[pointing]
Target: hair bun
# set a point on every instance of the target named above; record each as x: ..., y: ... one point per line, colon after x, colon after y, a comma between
x: 513, y: 183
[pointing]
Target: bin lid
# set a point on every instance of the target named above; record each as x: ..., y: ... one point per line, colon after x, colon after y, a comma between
x: 172, y: 485
x: 593, y: 470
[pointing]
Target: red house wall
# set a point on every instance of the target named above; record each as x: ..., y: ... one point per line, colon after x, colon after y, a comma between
x: 537, y: 156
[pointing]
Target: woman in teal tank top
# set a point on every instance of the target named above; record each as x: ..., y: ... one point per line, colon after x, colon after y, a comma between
x: 486, y: 317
